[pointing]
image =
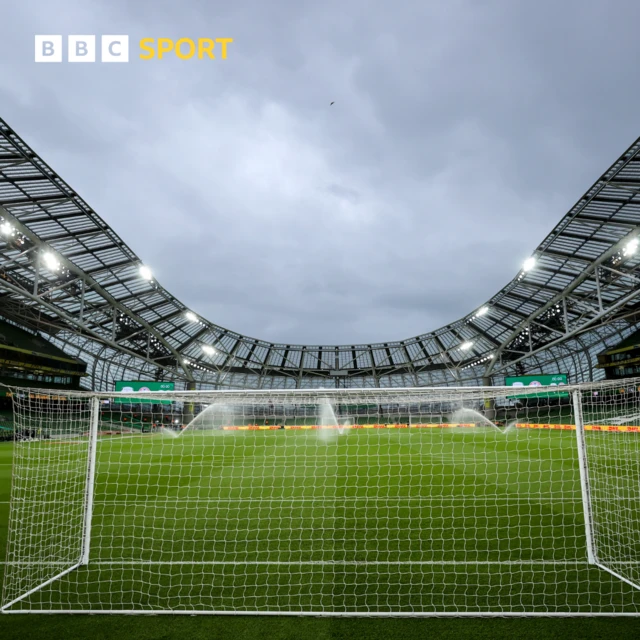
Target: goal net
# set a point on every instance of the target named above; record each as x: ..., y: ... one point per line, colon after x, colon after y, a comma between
x: 446, y: 501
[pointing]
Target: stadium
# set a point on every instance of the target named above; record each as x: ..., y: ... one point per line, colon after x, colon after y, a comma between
x: 165, y: 464
x: 68, y: 276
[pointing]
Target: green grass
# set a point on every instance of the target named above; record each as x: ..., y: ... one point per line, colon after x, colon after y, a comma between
x: 403, y: 499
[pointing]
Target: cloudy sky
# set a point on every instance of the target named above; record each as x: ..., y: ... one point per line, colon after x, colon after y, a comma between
x: 461, y: 132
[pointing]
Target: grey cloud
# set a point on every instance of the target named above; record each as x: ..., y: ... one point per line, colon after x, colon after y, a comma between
x: 462, y: 132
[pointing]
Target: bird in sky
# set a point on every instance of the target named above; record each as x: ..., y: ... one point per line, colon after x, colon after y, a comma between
x: 332, y: 103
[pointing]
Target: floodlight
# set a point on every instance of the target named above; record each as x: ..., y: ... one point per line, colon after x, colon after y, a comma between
x: 529, y: 263
x: 51, y: 262
x: 192, y: 317
x: 631, y: 247
x: 209, y: 350
x: 465, y: 346
x: 6, y: 229
x: 145, y: 272
x: 482, y: 311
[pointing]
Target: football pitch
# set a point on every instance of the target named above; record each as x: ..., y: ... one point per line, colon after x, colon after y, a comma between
x: 418, y: 520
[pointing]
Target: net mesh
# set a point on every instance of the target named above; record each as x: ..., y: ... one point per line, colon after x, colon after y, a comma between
x: 414, y: 501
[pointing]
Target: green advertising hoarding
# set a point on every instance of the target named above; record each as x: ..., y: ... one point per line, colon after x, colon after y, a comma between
x: 542, y: 380
x: 141, y: 386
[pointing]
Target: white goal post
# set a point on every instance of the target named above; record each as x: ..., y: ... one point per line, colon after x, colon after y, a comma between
x: 475, y: 501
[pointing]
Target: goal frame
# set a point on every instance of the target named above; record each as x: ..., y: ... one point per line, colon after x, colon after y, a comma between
x: 88, y: 511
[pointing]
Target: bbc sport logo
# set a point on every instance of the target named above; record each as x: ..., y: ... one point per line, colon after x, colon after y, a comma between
x: 50, y: 48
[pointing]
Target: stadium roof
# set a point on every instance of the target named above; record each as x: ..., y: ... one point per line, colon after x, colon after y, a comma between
x: 64, y: 272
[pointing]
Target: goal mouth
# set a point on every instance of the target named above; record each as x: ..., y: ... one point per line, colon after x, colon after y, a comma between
x: 358, y: 502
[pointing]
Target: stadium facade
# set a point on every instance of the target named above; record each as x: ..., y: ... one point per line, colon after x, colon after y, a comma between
x: 66, y: 276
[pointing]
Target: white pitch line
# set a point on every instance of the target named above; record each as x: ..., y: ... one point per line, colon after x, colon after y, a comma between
x: 337, y: 498
x: 186, y: 501
x: 142, y: 563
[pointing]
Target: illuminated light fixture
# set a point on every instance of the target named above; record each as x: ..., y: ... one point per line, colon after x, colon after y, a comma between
x: 465, y: 346
x: 145, y: 272
x: 51, y: 262
x: 208, y: 349
x: 631, y: 247
x: 192, y: 317
x: 529, y: 263
x: 482, y: 311
x: 6, y: 229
